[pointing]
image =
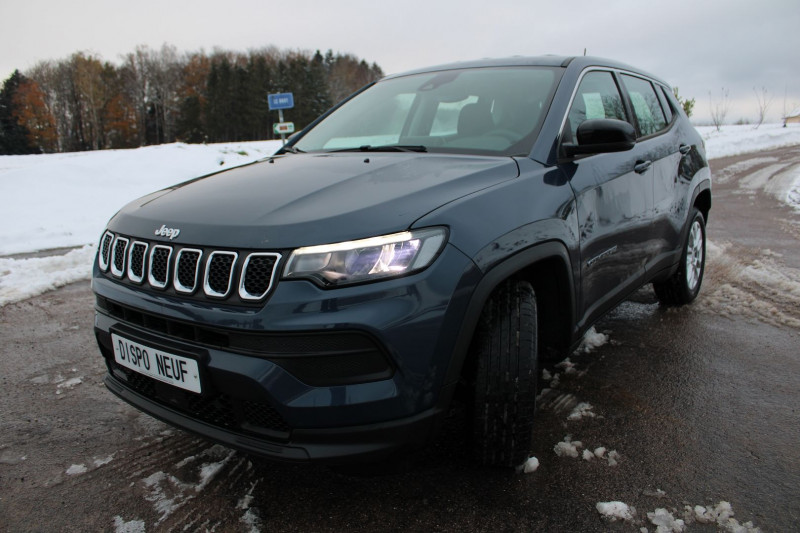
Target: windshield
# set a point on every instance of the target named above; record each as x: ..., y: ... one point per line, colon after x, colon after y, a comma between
x: 487, y: 111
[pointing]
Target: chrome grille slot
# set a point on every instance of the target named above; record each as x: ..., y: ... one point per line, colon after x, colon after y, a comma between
x: 159, y: 266
x: 258, y: 273
x: 219, y: 274
x: 243, y: 277
x: 187, y: 267
x: 137, y: 259
x: 104, y: 257
x: 118, y: 256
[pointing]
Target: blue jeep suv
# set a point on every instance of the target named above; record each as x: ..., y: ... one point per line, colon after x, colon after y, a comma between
x: 436, y: 232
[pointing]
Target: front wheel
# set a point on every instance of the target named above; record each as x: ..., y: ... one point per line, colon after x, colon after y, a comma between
x: 684, y: 285
x: 505, y: 359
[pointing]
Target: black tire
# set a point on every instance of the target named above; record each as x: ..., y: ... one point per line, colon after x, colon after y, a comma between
x: 506, y: 370
x: 684, y: 285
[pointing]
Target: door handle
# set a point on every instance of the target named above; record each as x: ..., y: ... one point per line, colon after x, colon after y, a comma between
x: 641, y: 166
x: 685, y: 149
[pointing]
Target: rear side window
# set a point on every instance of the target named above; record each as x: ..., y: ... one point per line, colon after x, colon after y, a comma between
x: 668, y: 111
x: 597, y: 97
x: 646, y: 105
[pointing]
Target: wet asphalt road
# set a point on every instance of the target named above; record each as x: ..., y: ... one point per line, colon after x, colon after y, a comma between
x: 701, y: 403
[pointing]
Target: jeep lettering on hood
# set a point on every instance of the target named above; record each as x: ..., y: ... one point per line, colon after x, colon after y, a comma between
x: 170, y: 233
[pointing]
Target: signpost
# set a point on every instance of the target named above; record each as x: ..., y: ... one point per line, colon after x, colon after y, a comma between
x: 279, y: 102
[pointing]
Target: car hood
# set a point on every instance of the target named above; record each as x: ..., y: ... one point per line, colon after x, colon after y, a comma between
x: 306, y: 199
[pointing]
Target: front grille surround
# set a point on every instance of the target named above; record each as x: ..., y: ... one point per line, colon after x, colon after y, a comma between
x: 137, y: 261
x: 104, y: 251
x: 158, y: 273
x: 219, y: 274
x: 253, y: 287
x: 118, y: 256
x: 187, y: 269
x: 236, y: 276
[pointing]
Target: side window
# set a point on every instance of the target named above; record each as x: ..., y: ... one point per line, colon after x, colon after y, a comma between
x: 646, y: 105
x: 597, y: 97
x: 665, y: 103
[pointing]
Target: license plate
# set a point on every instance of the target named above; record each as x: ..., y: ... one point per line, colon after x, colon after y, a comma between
x: 164, y: 366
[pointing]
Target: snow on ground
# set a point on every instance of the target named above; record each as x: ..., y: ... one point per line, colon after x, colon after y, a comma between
x: 616, y: 511
x: 672, y: 521
x: 64, y: 200
x: 133, y: 526
x: 57, y: 200
x: 168, y: 492
x: 592, y: 340
x: 23, y: 278
x: 745, y: 139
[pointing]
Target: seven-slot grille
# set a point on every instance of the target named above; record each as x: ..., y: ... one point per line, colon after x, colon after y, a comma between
x: 188, y: 271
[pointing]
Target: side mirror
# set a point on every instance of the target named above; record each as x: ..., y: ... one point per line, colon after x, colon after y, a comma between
x: 602, y: 135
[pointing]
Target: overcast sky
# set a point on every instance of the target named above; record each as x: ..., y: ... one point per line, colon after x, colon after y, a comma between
x: 699, y: 46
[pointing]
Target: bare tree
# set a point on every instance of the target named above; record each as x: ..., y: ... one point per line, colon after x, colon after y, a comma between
x: 763, y: 104
x: 719, y: 110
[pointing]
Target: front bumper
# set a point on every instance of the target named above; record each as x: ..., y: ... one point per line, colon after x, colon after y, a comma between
x: 281, y: 406
x: 340, y: 445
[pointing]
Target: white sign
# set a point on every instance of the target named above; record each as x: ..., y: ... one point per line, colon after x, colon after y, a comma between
x: 283, y: 128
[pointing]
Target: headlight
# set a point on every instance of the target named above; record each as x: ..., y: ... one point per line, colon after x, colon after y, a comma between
x: 381, y: 257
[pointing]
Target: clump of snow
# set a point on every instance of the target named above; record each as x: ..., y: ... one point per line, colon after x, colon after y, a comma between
x: 24, y: 278
x: 600, y: 453
x: 70, y: 383
x: 744, y: 139
x: 133, y: 526
x: 721, y: 515
x: 568, y: 447
x: 582, y: 410
x: 567, y: 366
x: 529, y: 466
x: 250, y: 518
x: 591, y: 341
x: 100, y: 461
x: 613, y: 458
x: 665, y: 522
x: 614, y: 511
x: 76, y: 470
x: 793, y: 194
x: 168, y: 493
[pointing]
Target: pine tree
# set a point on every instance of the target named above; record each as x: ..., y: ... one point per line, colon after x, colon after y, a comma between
x: 13, y: 136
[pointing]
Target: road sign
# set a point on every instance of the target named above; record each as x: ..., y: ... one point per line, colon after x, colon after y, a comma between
x: 283, y: 128
x: 280, y: 101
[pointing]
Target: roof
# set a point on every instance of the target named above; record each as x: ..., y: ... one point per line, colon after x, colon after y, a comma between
x: 579, y: 62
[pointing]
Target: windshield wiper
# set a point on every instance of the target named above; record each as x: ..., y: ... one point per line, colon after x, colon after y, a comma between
x: 386, y: 148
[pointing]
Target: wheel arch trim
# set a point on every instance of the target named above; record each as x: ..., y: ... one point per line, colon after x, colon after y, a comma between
x: 513, y: 265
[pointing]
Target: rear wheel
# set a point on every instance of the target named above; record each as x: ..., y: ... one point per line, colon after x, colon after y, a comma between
x: 505, y: 359
x: 684, y: 285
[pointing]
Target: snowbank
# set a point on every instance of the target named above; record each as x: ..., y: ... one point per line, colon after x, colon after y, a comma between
x: 57, y: 200
x: 745, y: 139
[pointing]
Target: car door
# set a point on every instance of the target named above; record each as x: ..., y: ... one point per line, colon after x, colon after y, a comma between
x: 614, y: 196
x: 658, y: 147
